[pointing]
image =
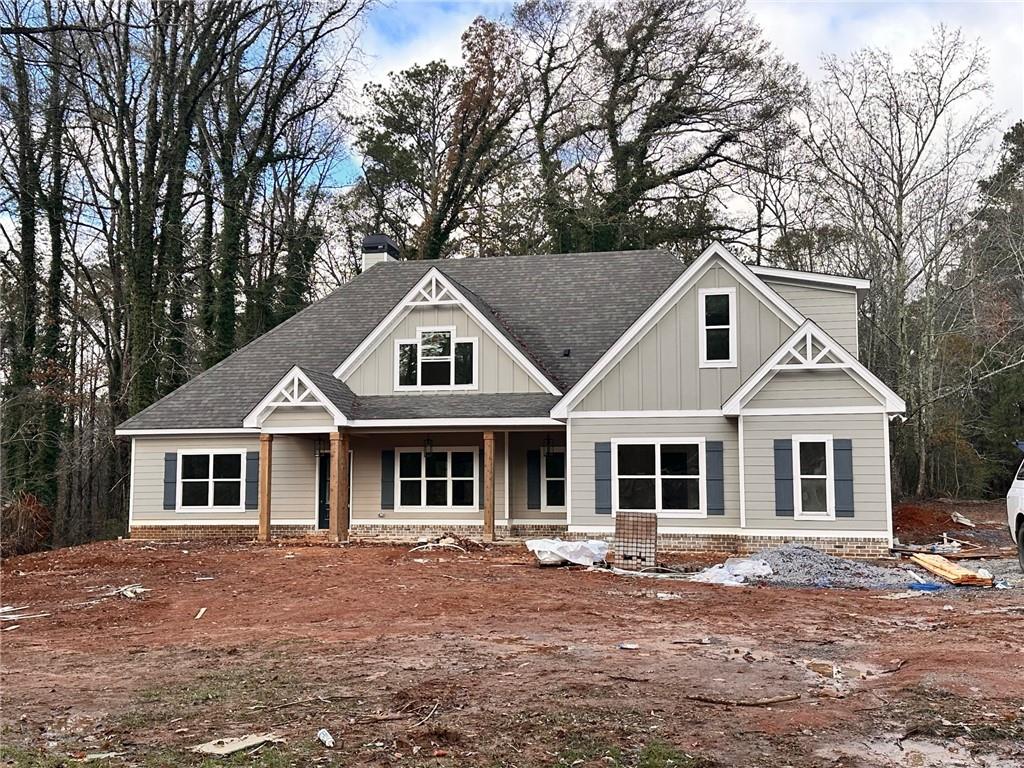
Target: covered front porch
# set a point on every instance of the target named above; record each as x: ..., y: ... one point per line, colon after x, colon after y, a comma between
x: 487, y: 481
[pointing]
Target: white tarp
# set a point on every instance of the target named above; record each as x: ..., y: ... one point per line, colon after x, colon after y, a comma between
x: 734, y: 572
x: 556, y: 551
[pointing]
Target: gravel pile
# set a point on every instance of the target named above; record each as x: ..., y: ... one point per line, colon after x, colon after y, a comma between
x: 796, y: 565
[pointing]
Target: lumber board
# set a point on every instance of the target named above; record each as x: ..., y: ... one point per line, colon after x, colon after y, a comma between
x: 950, y: 571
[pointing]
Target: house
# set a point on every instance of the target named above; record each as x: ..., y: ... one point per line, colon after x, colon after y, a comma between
x: 536, y: 395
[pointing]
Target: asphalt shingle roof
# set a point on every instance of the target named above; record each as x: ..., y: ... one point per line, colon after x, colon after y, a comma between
x: 545, y: 304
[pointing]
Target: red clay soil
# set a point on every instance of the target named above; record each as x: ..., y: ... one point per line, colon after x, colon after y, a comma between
x: 447, y: 659
x: 924, y: 522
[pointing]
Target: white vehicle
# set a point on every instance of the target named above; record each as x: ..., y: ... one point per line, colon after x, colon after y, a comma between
x: 1015, y: 512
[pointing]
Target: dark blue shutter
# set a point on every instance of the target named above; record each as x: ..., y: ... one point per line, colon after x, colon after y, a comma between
x: 252, y: 479
x: 603, y: 478
x: 387, y: 479
x: 170, y: 480
x: 842, y: 466
x: 715, y: 477
x: 480, y: 479
x: 533, y: 479
x: 784, y: 478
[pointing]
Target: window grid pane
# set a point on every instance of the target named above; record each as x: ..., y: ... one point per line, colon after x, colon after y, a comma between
x: 195, y: 494
x: 436, y: 343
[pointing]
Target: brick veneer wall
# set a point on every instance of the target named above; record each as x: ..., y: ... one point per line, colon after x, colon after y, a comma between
x: 865, y: 547
x: 187, y: 532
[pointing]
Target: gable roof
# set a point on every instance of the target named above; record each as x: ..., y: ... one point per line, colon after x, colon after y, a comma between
x: 545, y: 304
x: 810, y: 348
x: 299, y: 388
x: 657, y: 309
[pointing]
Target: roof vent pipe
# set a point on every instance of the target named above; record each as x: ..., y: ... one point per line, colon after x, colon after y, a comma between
x: 378, y: 248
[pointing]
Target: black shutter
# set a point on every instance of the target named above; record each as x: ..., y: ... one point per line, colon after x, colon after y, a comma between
x: 252, y: 479
x: 603, y: 478
x: 170, y: 480
x: 715, y: 477
x: 533, y: 479
x: 842, y: 466
x: 387, y: 479
x: 784, y: 478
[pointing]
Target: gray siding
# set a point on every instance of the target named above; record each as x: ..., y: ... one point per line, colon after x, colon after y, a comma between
x: 835, y: 310
x: 301, y: 416
x: 366, y: 476
x: 585, y: 432
x: 662, y: 370
x: 812, y: 389
x: 869, y: 468
x: 519, y: 444
x: 496, y: 372
x: 293, y: 478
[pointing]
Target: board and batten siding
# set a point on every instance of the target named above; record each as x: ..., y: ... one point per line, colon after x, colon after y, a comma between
x: 662, y: 370
x: 869, y: 469
x: 585, y: 432
x: 366, y: 477
x: 812, y: 389
x: 834, y: 309
x: 497, y: 372
x: 293, y: 479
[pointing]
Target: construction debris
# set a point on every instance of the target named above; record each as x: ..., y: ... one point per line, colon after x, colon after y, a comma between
x: 952, y: 572
x: 558, y: 552
x: 797, y: 565
x: 962, y: 520
x: 325, y: 738
x: 200, y: 614
x: 744, y: 703
x: 734, y: 572
x: 237, y: 744
x: 13, y: 613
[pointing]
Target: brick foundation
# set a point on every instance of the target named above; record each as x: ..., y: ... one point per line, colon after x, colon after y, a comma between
x: 216, y: 532
x: 859, y: 547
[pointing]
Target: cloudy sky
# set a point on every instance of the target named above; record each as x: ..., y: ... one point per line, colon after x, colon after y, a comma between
x: 406, y: 31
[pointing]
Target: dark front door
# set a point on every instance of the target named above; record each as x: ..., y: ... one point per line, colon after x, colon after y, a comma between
x: 323, y: 476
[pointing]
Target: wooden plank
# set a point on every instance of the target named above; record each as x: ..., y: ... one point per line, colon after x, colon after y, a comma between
x: 266, y: 458
x: 338, y: 491
x: 488, y: 486
x: 950, y: 571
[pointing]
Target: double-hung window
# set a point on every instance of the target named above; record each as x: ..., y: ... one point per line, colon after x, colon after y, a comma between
x: 436, y: 359
x: 717, y: 319
x: 442, y: 478
x: 813, y: 477
x: 210, y: 479
x: 663, y: 476
x: 553, y: 477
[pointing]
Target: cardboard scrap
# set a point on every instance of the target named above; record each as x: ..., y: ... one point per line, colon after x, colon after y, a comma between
x: 236, y: 744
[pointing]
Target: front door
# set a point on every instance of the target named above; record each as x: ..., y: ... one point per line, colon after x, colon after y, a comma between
x: 323, y: 476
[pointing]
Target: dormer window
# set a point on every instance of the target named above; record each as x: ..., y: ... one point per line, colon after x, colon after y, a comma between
x: 436, y: 359
x: 717, y: 315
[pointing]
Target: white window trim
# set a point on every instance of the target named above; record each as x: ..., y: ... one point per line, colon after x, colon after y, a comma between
x: 830, y: 494
x: 657, y: 442
x: 702, y: 294
x: 424, y: 507
x: 418, y: 341
x: 544, y: 479
x: 210, y: 507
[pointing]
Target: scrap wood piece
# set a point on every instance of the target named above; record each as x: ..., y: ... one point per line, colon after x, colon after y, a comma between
x: 20, y: 616
x: 744, y: 702
x: 200, y: 614
x: 12, y: 609
x: 237, y: 744
x: 950, y: 571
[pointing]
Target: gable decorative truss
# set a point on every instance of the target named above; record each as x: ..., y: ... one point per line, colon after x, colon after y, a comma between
x: 294, y: 390
x: 716, y: 252
x: 809, y: 348
x: 435, y: 289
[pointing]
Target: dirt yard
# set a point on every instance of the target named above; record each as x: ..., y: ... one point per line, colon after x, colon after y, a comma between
x: 484, y: 659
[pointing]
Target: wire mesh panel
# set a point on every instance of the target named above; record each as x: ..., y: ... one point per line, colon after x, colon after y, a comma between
x: 636, y: 539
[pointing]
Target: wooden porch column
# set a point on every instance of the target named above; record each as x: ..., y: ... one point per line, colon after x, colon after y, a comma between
x: 266, y: 457
x: 488, y: 486
x: 338, y: 489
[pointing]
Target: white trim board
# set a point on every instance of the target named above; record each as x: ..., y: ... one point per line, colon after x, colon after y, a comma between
x: 434, y: 278
x: 744, y: 532
x: 804, y: 336
x: 459, y: 422
x: 184, y: 520
x: 816, y: 278
x: 644, y: 414
x: 660, y: 307
x: 414, y: 521
x: 171, y: 431
x: 292, y: 379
